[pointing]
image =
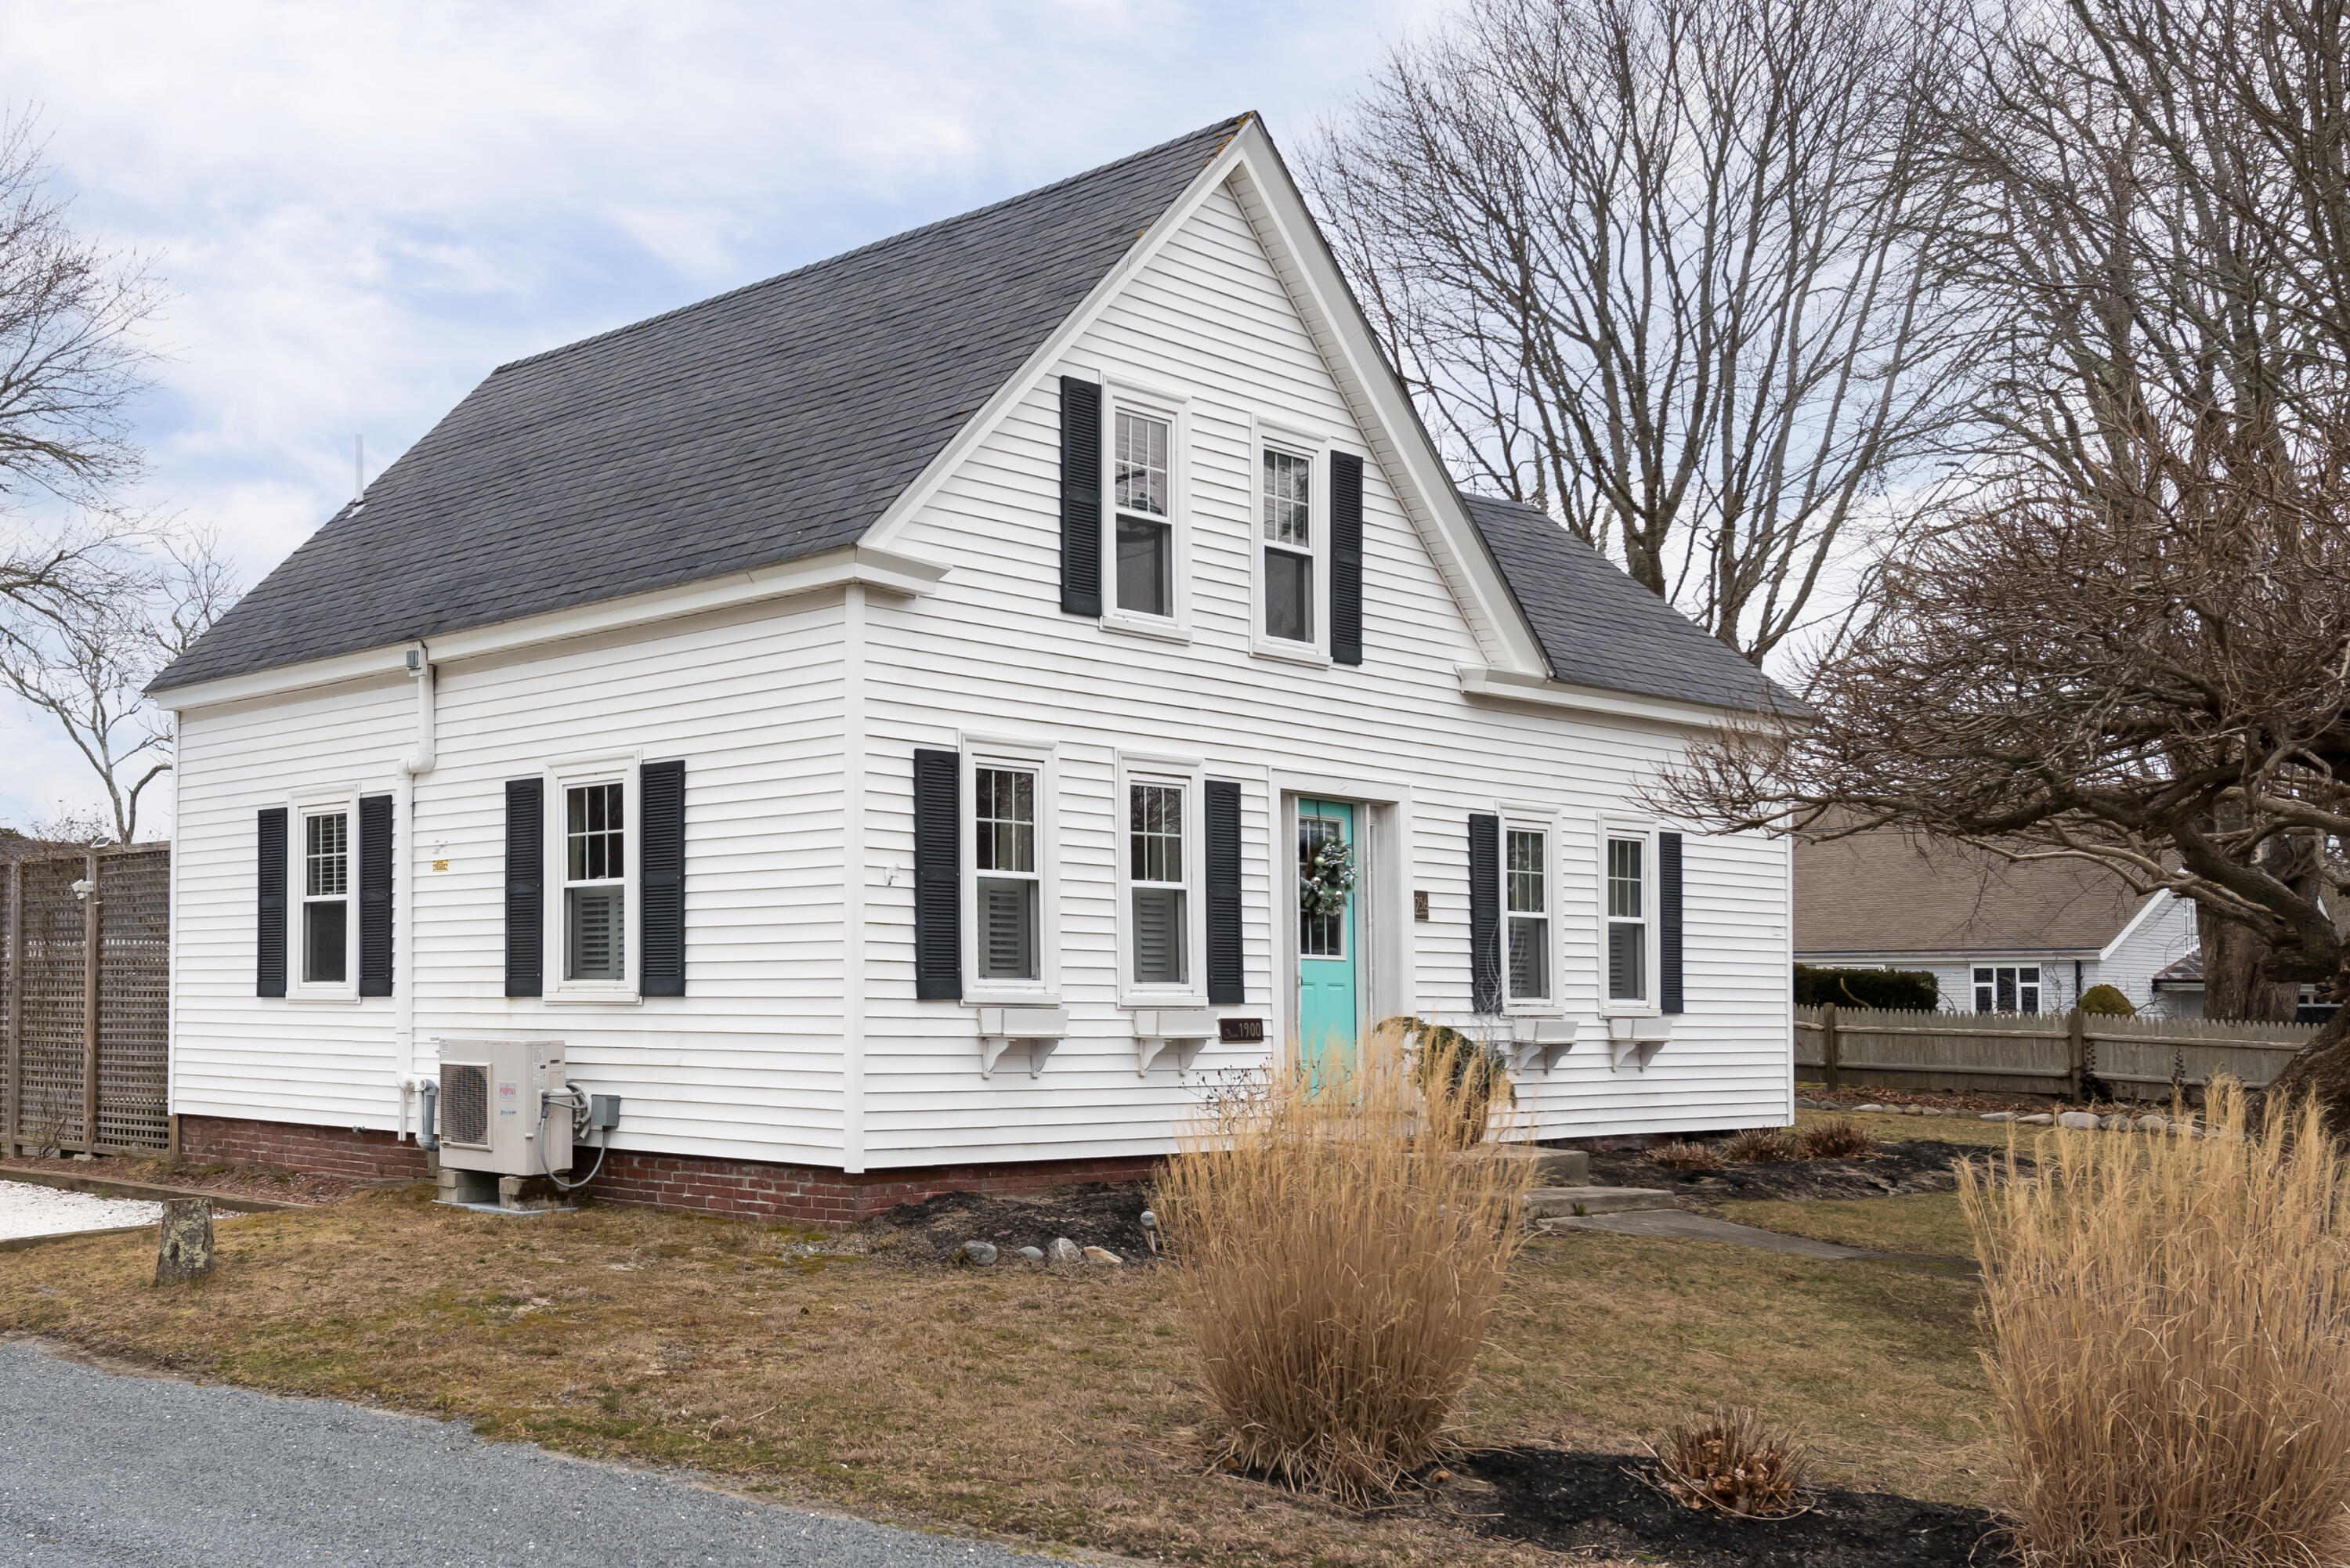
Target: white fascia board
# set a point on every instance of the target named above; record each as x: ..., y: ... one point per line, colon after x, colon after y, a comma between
x: 1511, y: 686
x: 881, y: 570
x: 2154, y: 907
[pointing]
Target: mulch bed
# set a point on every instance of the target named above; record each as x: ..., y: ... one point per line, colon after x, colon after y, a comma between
x: 202, y: 1176
x: 1918, y: 1165
x: 933, y: 1231
x: 1593, y: 1504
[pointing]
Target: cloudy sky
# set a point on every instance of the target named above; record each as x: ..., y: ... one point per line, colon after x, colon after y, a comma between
x: 360, y: 209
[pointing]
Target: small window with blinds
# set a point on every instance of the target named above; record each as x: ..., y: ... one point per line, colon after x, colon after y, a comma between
x: 1627, y: 902
x: 1143, y: 513
x: 1008, y: 884
x: 1158, y: 892
x: 1288, y: 546
x: 1526, y: 879
x: 595, y: 882
x: 325, y: 884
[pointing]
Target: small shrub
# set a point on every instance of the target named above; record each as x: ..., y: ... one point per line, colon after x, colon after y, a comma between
x: 1911, y: 990
x: 2106, y: 1002
x: 1685, y: 1155
x: 1838, y: 1139
x: 1733, y: 1464
x: 1338, y: 1265
x: 1763, y: 1145
x: 2168, y: 1358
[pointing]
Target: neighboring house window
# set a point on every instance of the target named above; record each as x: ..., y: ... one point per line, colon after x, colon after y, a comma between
x: 1525, y: 883
x: 325, y: 885
x: 1142, y: 508
x: 1288, y: 546
x: 2007, y: 988
x: 1008, y: 885
x: 595, y: 882
x: 1627, y: 917
x: 1156, y: 870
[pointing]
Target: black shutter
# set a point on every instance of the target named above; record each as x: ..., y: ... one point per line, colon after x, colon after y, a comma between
x: 937, y: 875
x: 269, y: 939
x: 661, y: 878
x: 1223, y: 811
x: 1346, y: 558
x: 375, y: 894
x: 1081, y: 482
x: 525, y: 888
x: 1484, y: 912
x: 1669, y: 921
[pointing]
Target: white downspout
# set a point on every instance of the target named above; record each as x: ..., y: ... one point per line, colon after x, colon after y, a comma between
x: 419, y: 760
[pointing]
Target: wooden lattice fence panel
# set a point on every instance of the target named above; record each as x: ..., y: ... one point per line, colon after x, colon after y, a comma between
x: 84, y: 1062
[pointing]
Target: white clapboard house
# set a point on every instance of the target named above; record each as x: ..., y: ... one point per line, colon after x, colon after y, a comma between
x: 875, y: 719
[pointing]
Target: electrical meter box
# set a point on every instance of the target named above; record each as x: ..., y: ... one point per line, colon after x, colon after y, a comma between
x: 492, y: 1109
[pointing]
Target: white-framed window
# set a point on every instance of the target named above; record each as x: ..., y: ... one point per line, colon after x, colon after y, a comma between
x: 1526, y: 908
x: 2007, y: 987
x: 325, y: 877
x: 1291, y: 545
x: 1162, y: 915
x: 1144, y: 524
x: 592, y: 893
x: 1010, y: 943
x: 1627, y: 903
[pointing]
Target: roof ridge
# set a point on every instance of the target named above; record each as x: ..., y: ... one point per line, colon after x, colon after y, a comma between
x: 1230, y: 125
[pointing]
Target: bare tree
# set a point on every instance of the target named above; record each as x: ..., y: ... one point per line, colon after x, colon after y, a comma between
x: 1653, y: 265
x: 2135, y: 648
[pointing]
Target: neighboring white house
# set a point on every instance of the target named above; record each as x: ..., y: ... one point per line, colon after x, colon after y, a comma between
x: 877, y: 718
x: 1999, y: 936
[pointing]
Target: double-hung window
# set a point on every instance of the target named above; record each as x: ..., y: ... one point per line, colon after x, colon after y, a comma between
x: 2007, y: 988
x: 595, y: 882
x: 1286, y: 511
x: 1628, y: 900
x: 1142, y: 512
x: 1526, y: 888
x: 1008, y: 884
x: 1156, y: 868
x: 325, y: 884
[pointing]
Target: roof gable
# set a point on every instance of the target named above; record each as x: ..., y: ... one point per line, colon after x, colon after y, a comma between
x: 762, y: 426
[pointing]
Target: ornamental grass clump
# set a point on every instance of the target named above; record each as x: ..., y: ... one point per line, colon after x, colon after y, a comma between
x: 2170, y: 1356
x: 1762, y: 1146
x: 1338, y: 1253
x: 1733, y: 1464
x: 1836, y: 1140
x: 1684, y: 1155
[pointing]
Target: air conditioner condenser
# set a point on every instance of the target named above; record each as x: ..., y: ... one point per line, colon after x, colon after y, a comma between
x: 492, y: 1109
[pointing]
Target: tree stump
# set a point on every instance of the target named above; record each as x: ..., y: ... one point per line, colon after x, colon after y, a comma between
x: 187, y: 1248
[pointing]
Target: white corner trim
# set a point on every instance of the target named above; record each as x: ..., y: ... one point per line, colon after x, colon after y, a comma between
x: 2154, y: 907
x: 884, y: 571
x: 1508, y: 686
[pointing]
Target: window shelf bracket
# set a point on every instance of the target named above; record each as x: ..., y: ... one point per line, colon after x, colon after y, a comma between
x: 1037, y: 1029
x: 1635, y: 1042
x: 1540, y: 1041
x: 1181, y: 1034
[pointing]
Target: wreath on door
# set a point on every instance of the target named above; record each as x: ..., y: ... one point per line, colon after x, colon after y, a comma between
x: 1329, y: 877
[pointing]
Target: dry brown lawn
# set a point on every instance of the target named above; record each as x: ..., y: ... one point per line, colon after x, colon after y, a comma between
x: 1056, y: 1407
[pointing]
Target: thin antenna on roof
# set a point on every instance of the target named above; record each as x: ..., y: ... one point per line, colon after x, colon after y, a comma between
x: 358, y: 468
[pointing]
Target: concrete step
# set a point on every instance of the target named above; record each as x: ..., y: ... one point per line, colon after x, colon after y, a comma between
x: 1554, y: 1167
x: 1545, y: 1201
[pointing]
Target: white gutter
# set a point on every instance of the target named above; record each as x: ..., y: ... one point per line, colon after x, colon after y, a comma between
x: 1508, y: 686
x: 419, y: 760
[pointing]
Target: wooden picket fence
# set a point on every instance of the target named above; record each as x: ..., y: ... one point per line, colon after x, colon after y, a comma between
x: 2037, y: 1054
x: 85, y: 986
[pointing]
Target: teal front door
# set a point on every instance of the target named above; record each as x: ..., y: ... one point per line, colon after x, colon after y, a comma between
x: 1327, y: 1012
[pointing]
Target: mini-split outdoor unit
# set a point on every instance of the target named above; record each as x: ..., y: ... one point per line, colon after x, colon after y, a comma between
x: 494, y: 1114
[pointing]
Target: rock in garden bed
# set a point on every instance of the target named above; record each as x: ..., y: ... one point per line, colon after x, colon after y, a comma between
x: 1583, y: 1503
x: 1916, y: 1165
x: 932, y: 1232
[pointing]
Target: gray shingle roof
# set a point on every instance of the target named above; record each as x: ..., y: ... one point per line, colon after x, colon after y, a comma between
x: 1599, y: 627
x: 770, y: 423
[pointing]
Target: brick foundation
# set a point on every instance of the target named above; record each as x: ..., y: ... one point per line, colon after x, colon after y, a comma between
x: 750, y: 1188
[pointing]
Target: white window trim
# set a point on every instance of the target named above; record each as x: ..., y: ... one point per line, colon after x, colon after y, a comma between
x: 622, y: 770
x: 1521, y: 820
x: 1650, y: 916
x: 1266, y: 432
x: 1176, y: 409
x: 1190, y: 774
x: 1995, y: 965
x: 299, y: 808
x: 1039, y: 757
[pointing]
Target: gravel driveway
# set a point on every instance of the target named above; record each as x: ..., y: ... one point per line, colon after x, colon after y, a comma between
x: 27, y: 1208
x: 99, y: 1470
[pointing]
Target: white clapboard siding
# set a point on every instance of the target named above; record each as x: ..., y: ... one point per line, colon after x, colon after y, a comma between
x: 753, y: 1062
x: 1209, y: 320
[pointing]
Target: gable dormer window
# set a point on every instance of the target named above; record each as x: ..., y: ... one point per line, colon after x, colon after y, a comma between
x: 1142, y: 502
x: 1287, y: 506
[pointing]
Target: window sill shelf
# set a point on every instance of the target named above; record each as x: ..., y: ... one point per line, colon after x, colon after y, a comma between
x: 348, y: 998
x: 1311, y: 658
x: 617, y: 998
x: 1158, y: 631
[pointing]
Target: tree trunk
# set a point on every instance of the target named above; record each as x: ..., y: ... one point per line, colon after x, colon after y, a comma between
x: 2234, y: 985
x: 2321, y: 1069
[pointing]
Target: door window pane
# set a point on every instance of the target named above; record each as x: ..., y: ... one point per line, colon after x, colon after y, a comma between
x: 1145, y: 566
x: 1323, y: 935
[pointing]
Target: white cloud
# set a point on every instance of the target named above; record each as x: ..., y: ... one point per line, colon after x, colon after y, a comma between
x: 362, y: 208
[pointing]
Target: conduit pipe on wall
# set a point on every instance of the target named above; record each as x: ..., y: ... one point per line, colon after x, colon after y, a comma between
x: 419, y: 760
